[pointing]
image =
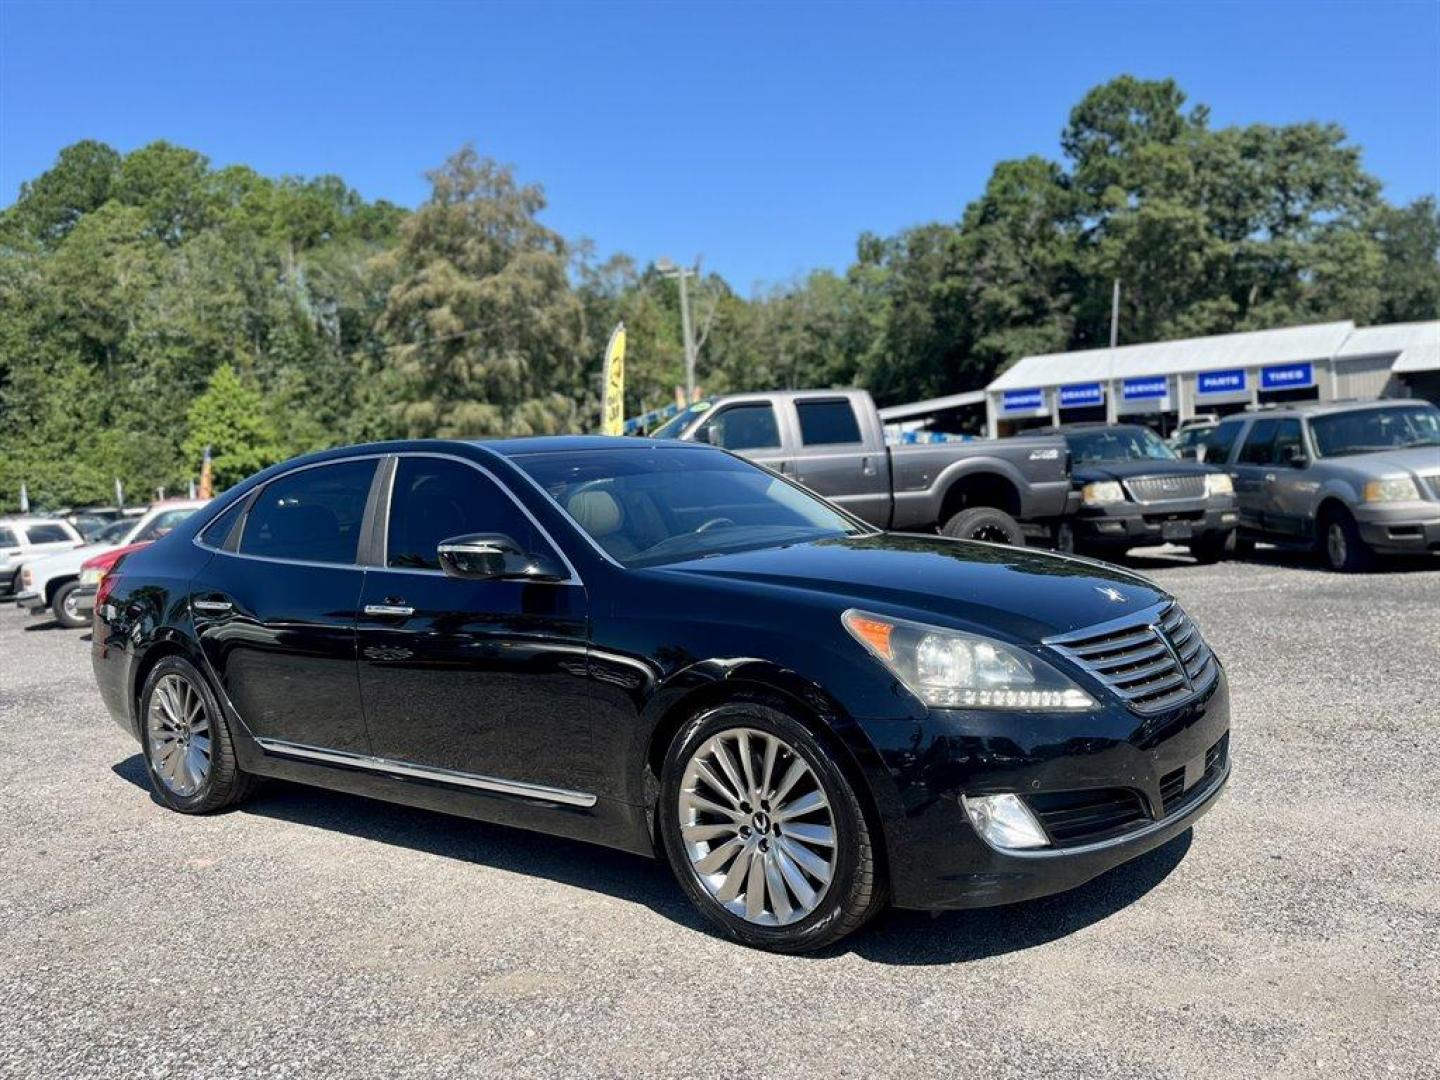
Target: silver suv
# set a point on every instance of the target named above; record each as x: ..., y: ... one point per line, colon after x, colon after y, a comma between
x: 1351, y: 479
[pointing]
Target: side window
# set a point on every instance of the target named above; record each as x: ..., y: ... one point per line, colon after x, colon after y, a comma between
x: 1217, y: 443
x: 827, y: 423
x: 313, y: 514
x: 1256, y: 450
x: 8, y: 539
x: 218, y: 531
x: 435, y: 499
x: 744, y: 427
x: 48, y: 534
x: 1287, y: 435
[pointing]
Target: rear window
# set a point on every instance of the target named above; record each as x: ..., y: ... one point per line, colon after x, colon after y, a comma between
x: 827, y: 423
x: 47, y: 534
x: 218, y: 531
x: 313, y: 515
x: 7, y: 539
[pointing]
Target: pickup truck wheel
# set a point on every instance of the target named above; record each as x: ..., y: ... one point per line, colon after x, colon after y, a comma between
x: 1212, y: 547
x: 1344, y: 550
x: 1063, y: 539
x: 63, y: 605
x: 985, y: 523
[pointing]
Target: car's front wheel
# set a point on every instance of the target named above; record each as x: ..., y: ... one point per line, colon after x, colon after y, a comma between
x: 765, y: 832
x: 189, y: 753
x: 63, y: 606
x: 1345, y: 550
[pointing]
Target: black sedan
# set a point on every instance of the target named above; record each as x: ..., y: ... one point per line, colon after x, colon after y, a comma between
x: 664, y: 648
x: 1135, y: 492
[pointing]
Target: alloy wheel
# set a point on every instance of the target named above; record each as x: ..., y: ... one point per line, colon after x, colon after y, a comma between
x: 70, y: 605
x: 179, y: 730
x: 757, y: 827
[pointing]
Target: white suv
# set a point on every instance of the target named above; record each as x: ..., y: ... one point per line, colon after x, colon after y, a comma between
x: 23, y: 539
x: 50, y: 583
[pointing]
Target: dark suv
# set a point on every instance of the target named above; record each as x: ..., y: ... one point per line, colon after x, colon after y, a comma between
x: 1135, y: 492
x: 1350, y: 479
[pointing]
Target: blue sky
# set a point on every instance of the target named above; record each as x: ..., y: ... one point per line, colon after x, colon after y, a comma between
x: 764, y: 137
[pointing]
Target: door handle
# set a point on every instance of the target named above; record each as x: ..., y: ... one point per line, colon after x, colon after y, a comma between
x: 1269, y: 477
x: 215, y: 607
x: 867, y: 467
x: 388, y: 609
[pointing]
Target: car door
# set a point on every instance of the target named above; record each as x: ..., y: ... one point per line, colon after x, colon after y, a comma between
x: 485, y: 679
x: 833, y: 459
x: 1288, y: 488
x: 1251, y: 473
x: 275, y: 606
x: 749, y: 428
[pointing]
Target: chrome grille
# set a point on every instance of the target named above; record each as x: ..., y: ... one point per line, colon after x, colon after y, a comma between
x: 1150, y: 489
x: 1156, y: 661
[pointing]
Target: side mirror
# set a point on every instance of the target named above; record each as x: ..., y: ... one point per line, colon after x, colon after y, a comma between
x: 494, y: 557
x: 1295, y: 457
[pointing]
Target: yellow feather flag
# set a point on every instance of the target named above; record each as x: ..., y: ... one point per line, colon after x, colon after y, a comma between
x: 612, y: 402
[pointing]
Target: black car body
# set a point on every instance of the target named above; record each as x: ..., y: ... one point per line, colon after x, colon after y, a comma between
x: 1136, y: 493
x: 553, y: 694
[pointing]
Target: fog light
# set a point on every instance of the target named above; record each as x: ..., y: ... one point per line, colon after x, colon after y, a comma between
x: 1004, y: 821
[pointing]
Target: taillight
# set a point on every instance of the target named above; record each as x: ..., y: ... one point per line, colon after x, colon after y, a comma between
x: 107, y: 584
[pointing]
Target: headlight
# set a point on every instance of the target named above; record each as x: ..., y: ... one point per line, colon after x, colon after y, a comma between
x: 1396, y: 489
x: 91, y: 577
x: 1218, y: 483
x: 1102, y: 492
x: 953, y: 670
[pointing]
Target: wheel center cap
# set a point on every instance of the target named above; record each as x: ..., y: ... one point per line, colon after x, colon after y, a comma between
x: 761, y: 821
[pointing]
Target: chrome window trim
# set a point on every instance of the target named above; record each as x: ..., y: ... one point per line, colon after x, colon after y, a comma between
x: 378, y: 456
x: 519, y: 788
x: 1199, y: 805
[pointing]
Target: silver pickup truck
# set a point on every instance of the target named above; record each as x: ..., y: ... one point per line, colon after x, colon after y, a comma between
x: 833, y: 442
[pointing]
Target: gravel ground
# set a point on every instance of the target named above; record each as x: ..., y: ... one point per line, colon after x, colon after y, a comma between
x: 1294, y: 932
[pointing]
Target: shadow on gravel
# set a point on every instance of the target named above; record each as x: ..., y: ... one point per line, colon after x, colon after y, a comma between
x: 1279, y: 558
x: 896, y: 937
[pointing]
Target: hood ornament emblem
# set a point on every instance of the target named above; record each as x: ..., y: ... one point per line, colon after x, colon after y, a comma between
x: 1111, y: 593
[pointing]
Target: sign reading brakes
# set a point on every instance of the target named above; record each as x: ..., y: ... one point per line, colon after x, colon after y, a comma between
x: 1022, y: 400
x: 1078, y: 395
x: 1221, y: 382
x: 1287, y: 376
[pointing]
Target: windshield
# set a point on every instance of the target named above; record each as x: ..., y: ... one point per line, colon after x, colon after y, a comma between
x: 1367, y: 430
x: 162, y: 523
x: 113, y: 532
x: 1117, y: 444
x: 672, y: 428
x: 648, y: 507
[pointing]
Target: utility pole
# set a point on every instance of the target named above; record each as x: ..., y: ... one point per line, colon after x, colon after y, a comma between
x: 1112, y: 407
x: 670, y: 270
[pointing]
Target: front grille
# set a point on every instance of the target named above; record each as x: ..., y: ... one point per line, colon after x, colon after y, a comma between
x: 1173, y: 792
x: 1077, y: 817
x: 1151, y: 489
x: 1150, y: 665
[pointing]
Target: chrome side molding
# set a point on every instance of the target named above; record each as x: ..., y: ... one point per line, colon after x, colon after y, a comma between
x: 538, y: 792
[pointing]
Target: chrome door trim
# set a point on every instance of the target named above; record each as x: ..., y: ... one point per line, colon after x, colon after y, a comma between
x: 388, y: 609
x: 220, y: 606
x: 538, y: 792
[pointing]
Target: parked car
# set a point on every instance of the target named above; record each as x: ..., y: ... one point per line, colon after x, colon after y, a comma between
x: 50, y: 584
x: 1348, y: 479
x: 833, y: 442
x: 663, y: 648
x: 92, y: 573
x: 1134, y: 492
x: 1189, y: 441
x: 25, y: 538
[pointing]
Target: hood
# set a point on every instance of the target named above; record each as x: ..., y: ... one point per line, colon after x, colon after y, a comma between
x: 1424, y: 460
x: 1124, y: 470
x: 67, y: 561
x: 1025, y: 594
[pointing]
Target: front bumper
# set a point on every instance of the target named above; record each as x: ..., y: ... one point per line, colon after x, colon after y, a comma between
x: 31, y: 601
x: 1397, y: 528
x: 1172, y: 766
x: 1129, y: 524
x: 84, y: 600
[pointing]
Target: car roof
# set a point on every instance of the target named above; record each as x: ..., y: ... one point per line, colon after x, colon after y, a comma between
x: 1323, y: 408
x: 1087, y: 425
x: 25, y: 520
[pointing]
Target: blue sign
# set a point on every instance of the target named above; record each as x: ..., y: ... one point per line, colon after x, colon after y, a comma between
x: 1022, y: 400
x: 1148, y: 388
x: 1221, y: 382
x: 1079, y: 395
x: 1287, y: 376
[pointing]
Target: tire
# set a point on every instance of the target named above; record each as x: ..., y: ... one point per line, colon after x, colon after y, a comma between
x: 1212, y: 547
x: 1244, y: 546
x: 62, y: 604
x: 985, y: 523
x: 693, y: 837
x: 175, y: 682
x: 1341, y: 545
x: 1062, y: 538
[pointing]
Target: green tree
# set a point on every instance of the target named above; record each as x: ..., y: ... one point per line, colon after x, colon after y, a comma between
x: 229, y: 418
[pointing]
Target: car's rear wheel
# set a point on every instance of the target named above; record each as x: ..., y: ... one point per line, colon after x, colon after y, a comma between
x: 765, y: 832
x: 1344, y: 549
x: 63, y: 606
x: 189, y: 753
x: 985, y: 523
